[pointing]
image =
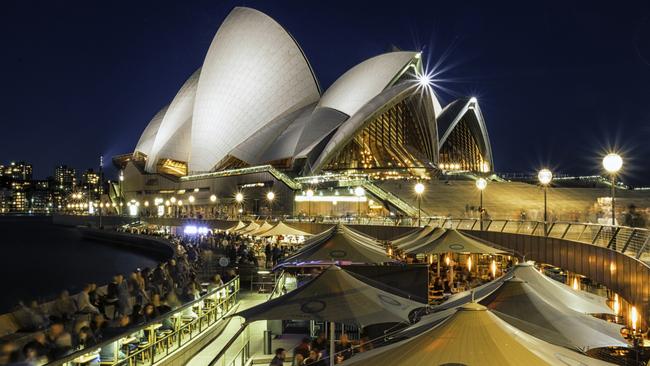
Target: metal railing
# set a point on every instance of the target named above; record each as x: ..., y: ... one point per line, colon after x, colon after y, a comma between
x: 237, y: 351
x: 631, y: 241
x: 149, y: 343
x: 248, y: 170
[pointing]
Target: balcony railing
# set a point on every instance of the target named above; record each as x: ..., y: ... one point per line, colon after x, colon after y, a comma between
x: 634, y: 242
x: 151, y: 342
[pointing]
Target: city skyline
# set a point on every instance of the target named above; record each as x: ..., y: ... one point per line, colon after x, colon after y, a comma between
x: 130, y: 73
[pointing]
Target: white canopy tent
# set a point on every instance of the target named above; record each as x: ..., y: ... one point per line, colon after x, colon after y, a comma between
x: 473, y: 336
x: 559, y: 293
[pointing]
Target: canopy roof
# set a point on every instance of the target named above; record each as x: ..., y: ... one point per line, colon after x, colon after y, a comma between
x: 264, y: 227
x: 334, y: 295
x: 473, y: 336
x: 415, y: 237
x: 282, y: 229
x: 517, y: 302
x: 340, y: 243
x: 238, y: 226
x: 559, y: 293
x: 251, y: 227
x: 452, y: 241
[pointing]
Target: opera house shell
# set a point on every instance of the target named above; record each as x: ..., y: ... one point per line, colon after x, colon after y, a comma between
x: 256, y: 100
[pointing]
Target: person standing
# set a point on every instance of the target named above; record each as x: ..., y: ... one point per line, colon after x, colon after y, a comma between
x: 280, y: 355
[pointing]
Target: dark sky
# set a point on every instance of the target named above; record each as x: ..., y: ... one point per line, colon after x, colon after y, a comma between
x: 558, y: 81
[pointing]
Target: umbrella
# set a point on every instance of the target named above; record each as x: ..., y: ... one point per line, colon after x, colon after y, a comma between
x: 337, y: 296
x: 282, y: 229
x: 472, y: 336
x: 559, y: 293
x: 340, y: 243
x: 453, y: 241
x: 264, y: 227
x: 517, y: 302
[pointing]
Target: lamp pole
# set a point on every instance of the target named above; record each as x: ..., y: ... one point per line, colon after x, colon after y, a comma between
x: 310, y: 194
x: 359, y: 192
x: 612, y: 163
x: 545, y: 176
x: 101, y: 188
x: 481, y: 183
x: 419, y: 189
x: 270, y: 196
x: 239, y: 197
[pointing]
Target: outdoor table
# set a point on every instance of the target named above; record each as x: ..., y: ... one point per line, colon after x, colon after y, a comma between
x: 89, y: 357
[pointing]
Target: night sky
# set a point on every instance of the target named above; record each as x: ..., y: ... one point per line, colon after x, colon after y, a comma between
x: 559, y: 82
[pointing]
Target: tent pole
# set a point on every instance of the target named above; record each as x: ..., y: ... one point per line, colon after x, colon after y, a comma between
x: 332, y: 335
x: 438, y: 256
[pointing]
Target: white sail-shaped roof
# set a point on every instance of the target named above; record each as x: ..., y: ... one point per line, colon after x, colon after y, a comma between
x: 365, y: 81
x: 254, y: 72
x: 179, y: 115
x: 148, y: 136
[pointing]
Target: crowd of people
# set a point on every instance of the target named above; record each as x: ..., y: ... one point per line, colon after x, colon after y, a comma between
x: 74, y: 322
x: 315, y: 352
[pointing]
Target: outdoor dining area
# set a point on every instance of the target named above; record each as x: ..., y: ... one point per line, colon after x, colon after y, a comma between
x: 152, y: 341
x: 485, y: 305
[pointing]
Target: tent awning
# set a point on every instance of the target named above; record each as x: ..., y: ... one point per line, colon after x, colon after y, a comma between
x: 519, y: 304
x: 335, y: 295
x: 472, y: 336
x: 340, y: 244
x: 559, y: 293
x: 453, y: 241
x: 263, y: 228
x: 282, y: 229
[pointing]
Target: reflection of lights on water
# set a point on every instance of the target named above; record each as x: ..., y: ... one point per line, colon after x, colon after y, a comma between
x: 616, y: 305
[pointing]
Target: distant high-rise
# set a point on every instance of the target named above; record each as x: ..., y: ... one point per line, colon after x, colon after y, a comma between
x: 17, y: 171
x: 65, y: 178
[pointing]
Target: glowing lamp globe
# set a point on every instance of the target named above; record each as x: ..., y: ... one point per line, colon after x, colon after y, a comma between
x: 270, y: 196
x: 419, y: 188
x: 359, y: 191
x: 481, y: 183
x: 213, y: 198
x: 239, y: 197
x: 545, y: 176
x: 191, y: 199
x: 612, y: 163
x: 310, y: 193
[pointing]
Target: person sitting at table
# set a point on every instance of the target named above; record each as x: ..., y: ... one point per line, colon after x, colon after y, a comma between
x: 438, y: 287
x: 149, y: 313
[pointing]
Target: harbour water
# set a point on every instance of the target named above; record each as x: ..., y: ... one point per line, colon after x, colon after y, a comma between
x: 38, y: 260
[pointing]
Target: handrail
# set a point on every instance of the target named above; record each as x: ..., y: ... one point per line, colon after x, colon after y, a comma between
x: 231, y: 289
x: 248, y: 170
x: 231, y: 341
x: 631, y: 241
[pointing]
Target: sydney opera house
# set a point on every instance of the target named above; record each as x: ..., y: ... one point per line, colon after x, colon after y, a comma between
x: 253, y: 119
x: 257, y: 102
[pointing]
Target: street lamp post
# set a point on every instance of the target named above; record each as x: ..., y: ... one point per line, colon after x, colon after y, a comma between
x: 121, y: 190
x: 213, y: 199
x: 270, y: 196
x: 239, y: 197
x: 359, y: 192
x: 310, y: 194
x: 175, y: 208
x: 481, y: 183
x: 545, y: 176
x: 419, y: 189
x: 101, y: 188
x: 612, y: 164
